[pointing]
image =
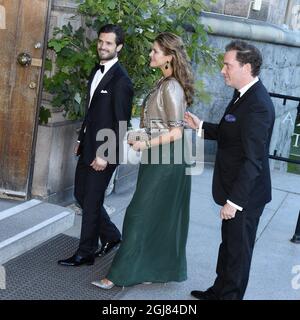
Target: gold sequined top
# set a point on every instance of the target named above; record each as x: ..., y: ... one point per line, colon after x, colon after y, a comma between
x: 165, y: 106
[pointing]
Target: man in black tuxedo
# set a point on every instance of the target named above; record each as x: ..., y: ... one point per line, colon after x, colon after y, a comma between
x: 109, y: 102
x: 241, y: 180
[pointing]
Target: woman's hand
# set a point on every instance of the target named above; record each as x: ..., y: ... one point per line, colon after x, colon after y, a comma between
x: 192, y: 120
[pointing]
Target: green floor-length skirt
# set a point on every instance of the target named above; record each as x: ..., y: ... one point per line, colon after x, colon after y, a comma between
x: 155, y: 227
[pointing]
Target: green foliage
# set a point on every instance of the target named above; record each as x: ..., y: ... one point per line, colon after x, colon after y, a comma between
x: 44, y: 115
x: 141, y: 21
x: 75, y: 57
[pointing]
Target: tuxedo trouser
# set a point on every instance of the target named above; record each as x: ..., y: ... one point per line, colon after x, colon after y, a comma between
x: 90, y: 186
x: 235, y: 254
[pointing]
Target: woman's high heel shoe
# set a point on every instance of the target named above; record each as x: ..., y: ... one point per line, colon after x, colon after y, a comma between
x: 103, y: 284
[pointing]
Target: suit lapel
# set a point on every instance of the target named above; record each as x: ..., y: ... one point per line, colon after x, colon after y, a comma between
x: 231, y: 103
x: 233, y: 106
x: 106, y: 79
x: 93, y: 72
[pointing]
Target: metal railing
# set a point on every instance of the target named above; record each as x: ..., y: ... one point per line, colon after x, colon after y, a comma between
x: 296, y: 236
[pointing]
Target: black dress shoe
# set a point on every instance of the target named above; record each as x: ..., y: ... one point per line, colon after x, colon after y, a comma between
x: 106, y: 247
x: 76, y: 261
x: 204, y: 295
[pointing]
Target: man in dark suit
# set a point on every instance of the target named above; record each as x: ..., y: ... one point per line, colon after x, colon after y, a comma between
x: 241, y: 180
x: 109, y: 102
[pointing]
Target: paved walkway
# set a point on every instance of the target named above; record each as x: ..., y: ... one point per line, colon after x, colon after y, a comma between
x: 275, y: 272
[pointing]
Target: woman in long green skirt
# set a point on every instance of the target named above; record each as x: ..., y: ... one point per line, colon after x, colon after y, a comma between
x: 156, y: 222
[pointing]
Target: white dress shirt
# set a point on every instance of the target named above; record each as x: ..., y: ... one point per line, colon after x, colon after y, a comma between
x: 99, y: 76
x: 242, y: 91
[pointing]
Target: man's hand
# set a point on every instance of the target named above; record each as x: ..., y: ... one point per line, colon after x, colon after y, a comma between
x: 99, y: 164
x: 227, y: 212
x: 191, y: 120
x: 138, y: 145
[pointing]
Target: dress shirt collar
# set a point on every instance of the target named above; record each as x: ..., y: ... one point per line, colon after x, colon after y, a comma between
x: 109, y: 64
x: 248, y: 86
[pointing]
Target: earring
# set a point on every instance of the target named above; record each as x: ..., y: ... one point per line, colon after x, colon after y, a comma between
x: 167, y: 65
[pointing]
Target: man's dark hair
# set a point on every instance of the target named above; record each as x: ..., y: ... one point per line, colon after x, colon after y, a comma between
x: 246, y: 53
x: 117, y: 30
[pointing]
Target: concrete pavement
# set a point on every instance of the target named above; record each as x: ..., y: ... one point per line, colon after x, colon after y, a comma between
x: 275, y: 272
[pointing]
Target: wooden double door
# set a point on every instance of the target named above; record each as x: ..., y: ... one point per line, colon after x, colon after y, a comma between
x: 23, y: 26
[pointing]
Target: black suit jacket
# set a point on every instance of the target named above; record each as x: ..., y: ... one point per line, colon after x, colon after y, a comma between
x: 111, y: 103
x: 242, y: 173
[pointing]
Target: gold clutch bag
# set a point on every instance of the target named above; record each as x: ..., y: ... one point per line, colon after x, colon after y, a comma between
x: 137, y: 135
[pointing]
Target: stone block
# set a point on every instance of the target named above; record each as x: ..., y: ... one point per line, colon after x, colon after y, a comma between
x: 55, y: 162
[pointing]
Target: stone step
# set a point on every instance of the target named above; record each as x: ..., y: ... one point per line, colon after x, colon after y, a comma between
x: 26, y: 225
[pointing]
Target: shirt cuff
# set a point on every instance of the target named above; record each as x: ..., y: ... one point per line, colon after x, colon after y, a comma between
x: 78, y: 141
x: 234, y: 205
x: 199, y: 133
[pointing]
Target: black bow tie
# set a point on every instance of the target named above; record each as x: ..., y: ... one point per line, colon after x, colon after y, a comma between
x: 100, y: 67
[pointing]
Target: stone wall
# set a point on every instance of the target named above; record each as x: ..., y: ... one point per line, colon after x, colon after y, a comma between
x: 240, y: 8
x: 293, y: 15
x: 63, y: 12
x: 277, y: 10
x: 55, y: 162
x: 283, y: 12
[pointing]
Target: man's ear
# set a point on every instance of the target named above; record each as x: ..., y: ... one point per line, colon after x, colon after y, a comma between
x: 119, y: 47
x: 248, y: 68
